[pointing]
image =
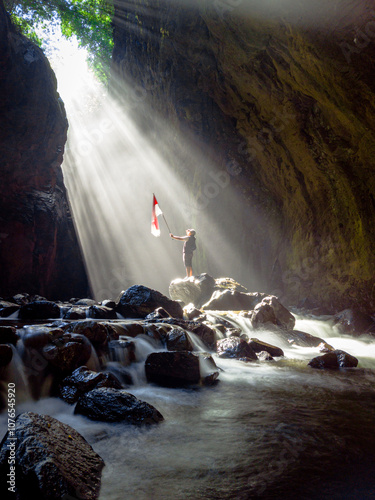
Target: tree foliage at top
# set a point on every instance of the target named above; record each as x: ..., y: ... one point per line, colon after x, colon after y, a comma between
x: 89, y: 20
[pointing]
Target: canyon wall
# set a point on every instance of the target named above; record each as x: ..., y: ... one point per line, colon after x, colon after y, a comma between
x: 39, y: 251
x: 281, y: 102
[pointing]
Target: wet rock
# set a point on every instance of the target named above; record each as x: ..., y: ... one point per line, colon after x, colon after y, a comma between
x: 75, y: 313
x: 159, y: 313
x: 7, y: 308
x: 131, y: 329
x: 8, y: 335
x: 39, y: 309
x: 116, y: 405
x: 109, y: 303
x: 263, y: 314
x: 178, y: 340
x: 260, y: 346
x: 191, y: 312
x: 122, y: 350
x: 52, y: 460
x: 303, y: 339
x: 84, y: 380
x: 333, y: 360
x: 265, y: 356
x: 354, y: 322
x: 21, y: 299
x: 85, y: 302
x: 206, y: 334
x: 192, y: 290
x: 232, y: 300
x: 95, y: 331
x: 36, y: 337
x: 180, y: 369
x: 229, y: 284
x: 284, y: 318
x: 68, y: 353
x: 101, y: 312
x: 234, y: 347
x: 138, y: 301
x: 158, y: 332
x: 6, y: 354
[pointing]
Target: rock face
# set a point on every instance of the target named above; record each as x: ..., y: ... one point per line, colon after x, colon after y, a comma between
x: 275, y: 112
x: 138, y: 301
x: 39, y: 252
x: 43, y: 461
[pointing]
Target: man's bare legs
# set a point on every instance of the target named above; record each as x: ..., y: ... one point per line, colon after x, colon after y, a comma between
x: 189, y: 272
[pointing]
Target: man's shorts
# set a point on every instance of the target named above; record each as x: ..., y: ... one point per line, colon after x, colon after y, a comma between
x: 188, y: 259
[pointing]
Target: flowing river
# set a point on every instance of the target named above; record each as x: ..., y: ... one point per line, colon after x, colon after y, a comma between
x: 272, y: 429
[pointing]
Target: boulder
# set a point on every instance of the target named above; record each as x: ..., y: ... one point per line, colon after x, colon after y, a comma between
x: 101, y: 312
x: 116, y: 405
x: 39, y: 309
x: 204, y: 332
x: 8, y: 335
x: 334, y: 360
x: 284, y: 318
x: 159, y: 313
x: 354, y: 322
x: 232, y: 300
x: 51, y: 460
x: 180, y: 369
x: 229, y: 284
x: 138, y: 301
x: 304, y: 339
x: 191, y: 312
x: 235, y: 347
x: 6, y: 355
x: 84, y: 302
x: 178, y: 340
x: 109, y: 303
x: 7, y: 308
x: 95, y: 331
x: 75, y: 313
x: 263, y: 314
x: 36, y: 337
x: 68, y: 353
x: 260, y: 346
x: 265, y: 356
x: 83, y: 380
x: 192, y: 290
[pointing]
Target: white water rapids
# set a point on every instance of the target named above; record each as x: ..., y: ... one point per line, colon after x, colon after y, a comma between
x: 273, y: 430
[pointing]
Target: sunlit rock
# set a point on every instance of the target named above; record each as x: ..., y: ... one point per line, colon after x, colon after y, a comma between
x: 52, y: 460
x: 235, y: 347
x: 7, y: 308
x: 116, y: 405
x: 39, y: 309
x: 232, y: 300
x: 263, y: 314
x: 259, y: 346
x: 8, y: 335
x: 83, y: 380
x: 354, y: 322
x: 138, y: 301
x: 265, y: 356
x: 334, y: 359
x: 191, y: 312
x: 193, y: 290
x: 159, y: 313
x: 303, y: 339
x: 284, y: 318
x: 179, y: 369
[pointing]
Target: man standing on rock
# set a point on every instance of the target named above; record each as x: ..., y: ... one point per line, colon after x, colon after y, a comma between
x: 187, y: 252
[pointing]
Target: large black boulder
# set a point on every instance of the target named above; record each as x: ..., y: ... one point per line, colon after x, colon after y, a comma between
x: 47, y: 459
x: 334, y: 360
x: 138, y: 301
x: 116, y: 405
x: 39, y: 309
x: 180, y: 369
x: 235, y: 347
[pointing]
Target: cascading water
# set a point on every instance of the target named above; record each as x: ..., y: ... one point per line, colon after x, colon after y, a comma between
x: 272, y: 429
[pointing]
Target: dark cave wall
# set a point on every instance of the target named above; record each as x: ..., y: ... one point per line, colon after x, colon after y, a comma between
x: 285, y: 104
x: 39, y: 252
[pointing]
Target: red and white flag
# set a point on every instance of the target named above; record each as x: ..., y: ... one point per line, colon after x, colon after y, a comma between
x: 155, y: 229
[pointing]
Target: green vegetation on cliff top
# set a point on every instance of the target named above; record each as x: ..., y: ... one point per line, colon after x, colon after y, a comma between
x: 89, y: 20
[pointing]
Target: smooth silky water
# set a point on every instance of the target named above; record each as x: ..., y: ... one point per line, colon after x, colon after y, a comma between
x: 276, y: 429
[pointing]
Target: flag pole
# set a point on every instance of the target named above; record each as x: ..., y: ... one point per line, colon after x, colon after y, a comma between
x: 167, y: 224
